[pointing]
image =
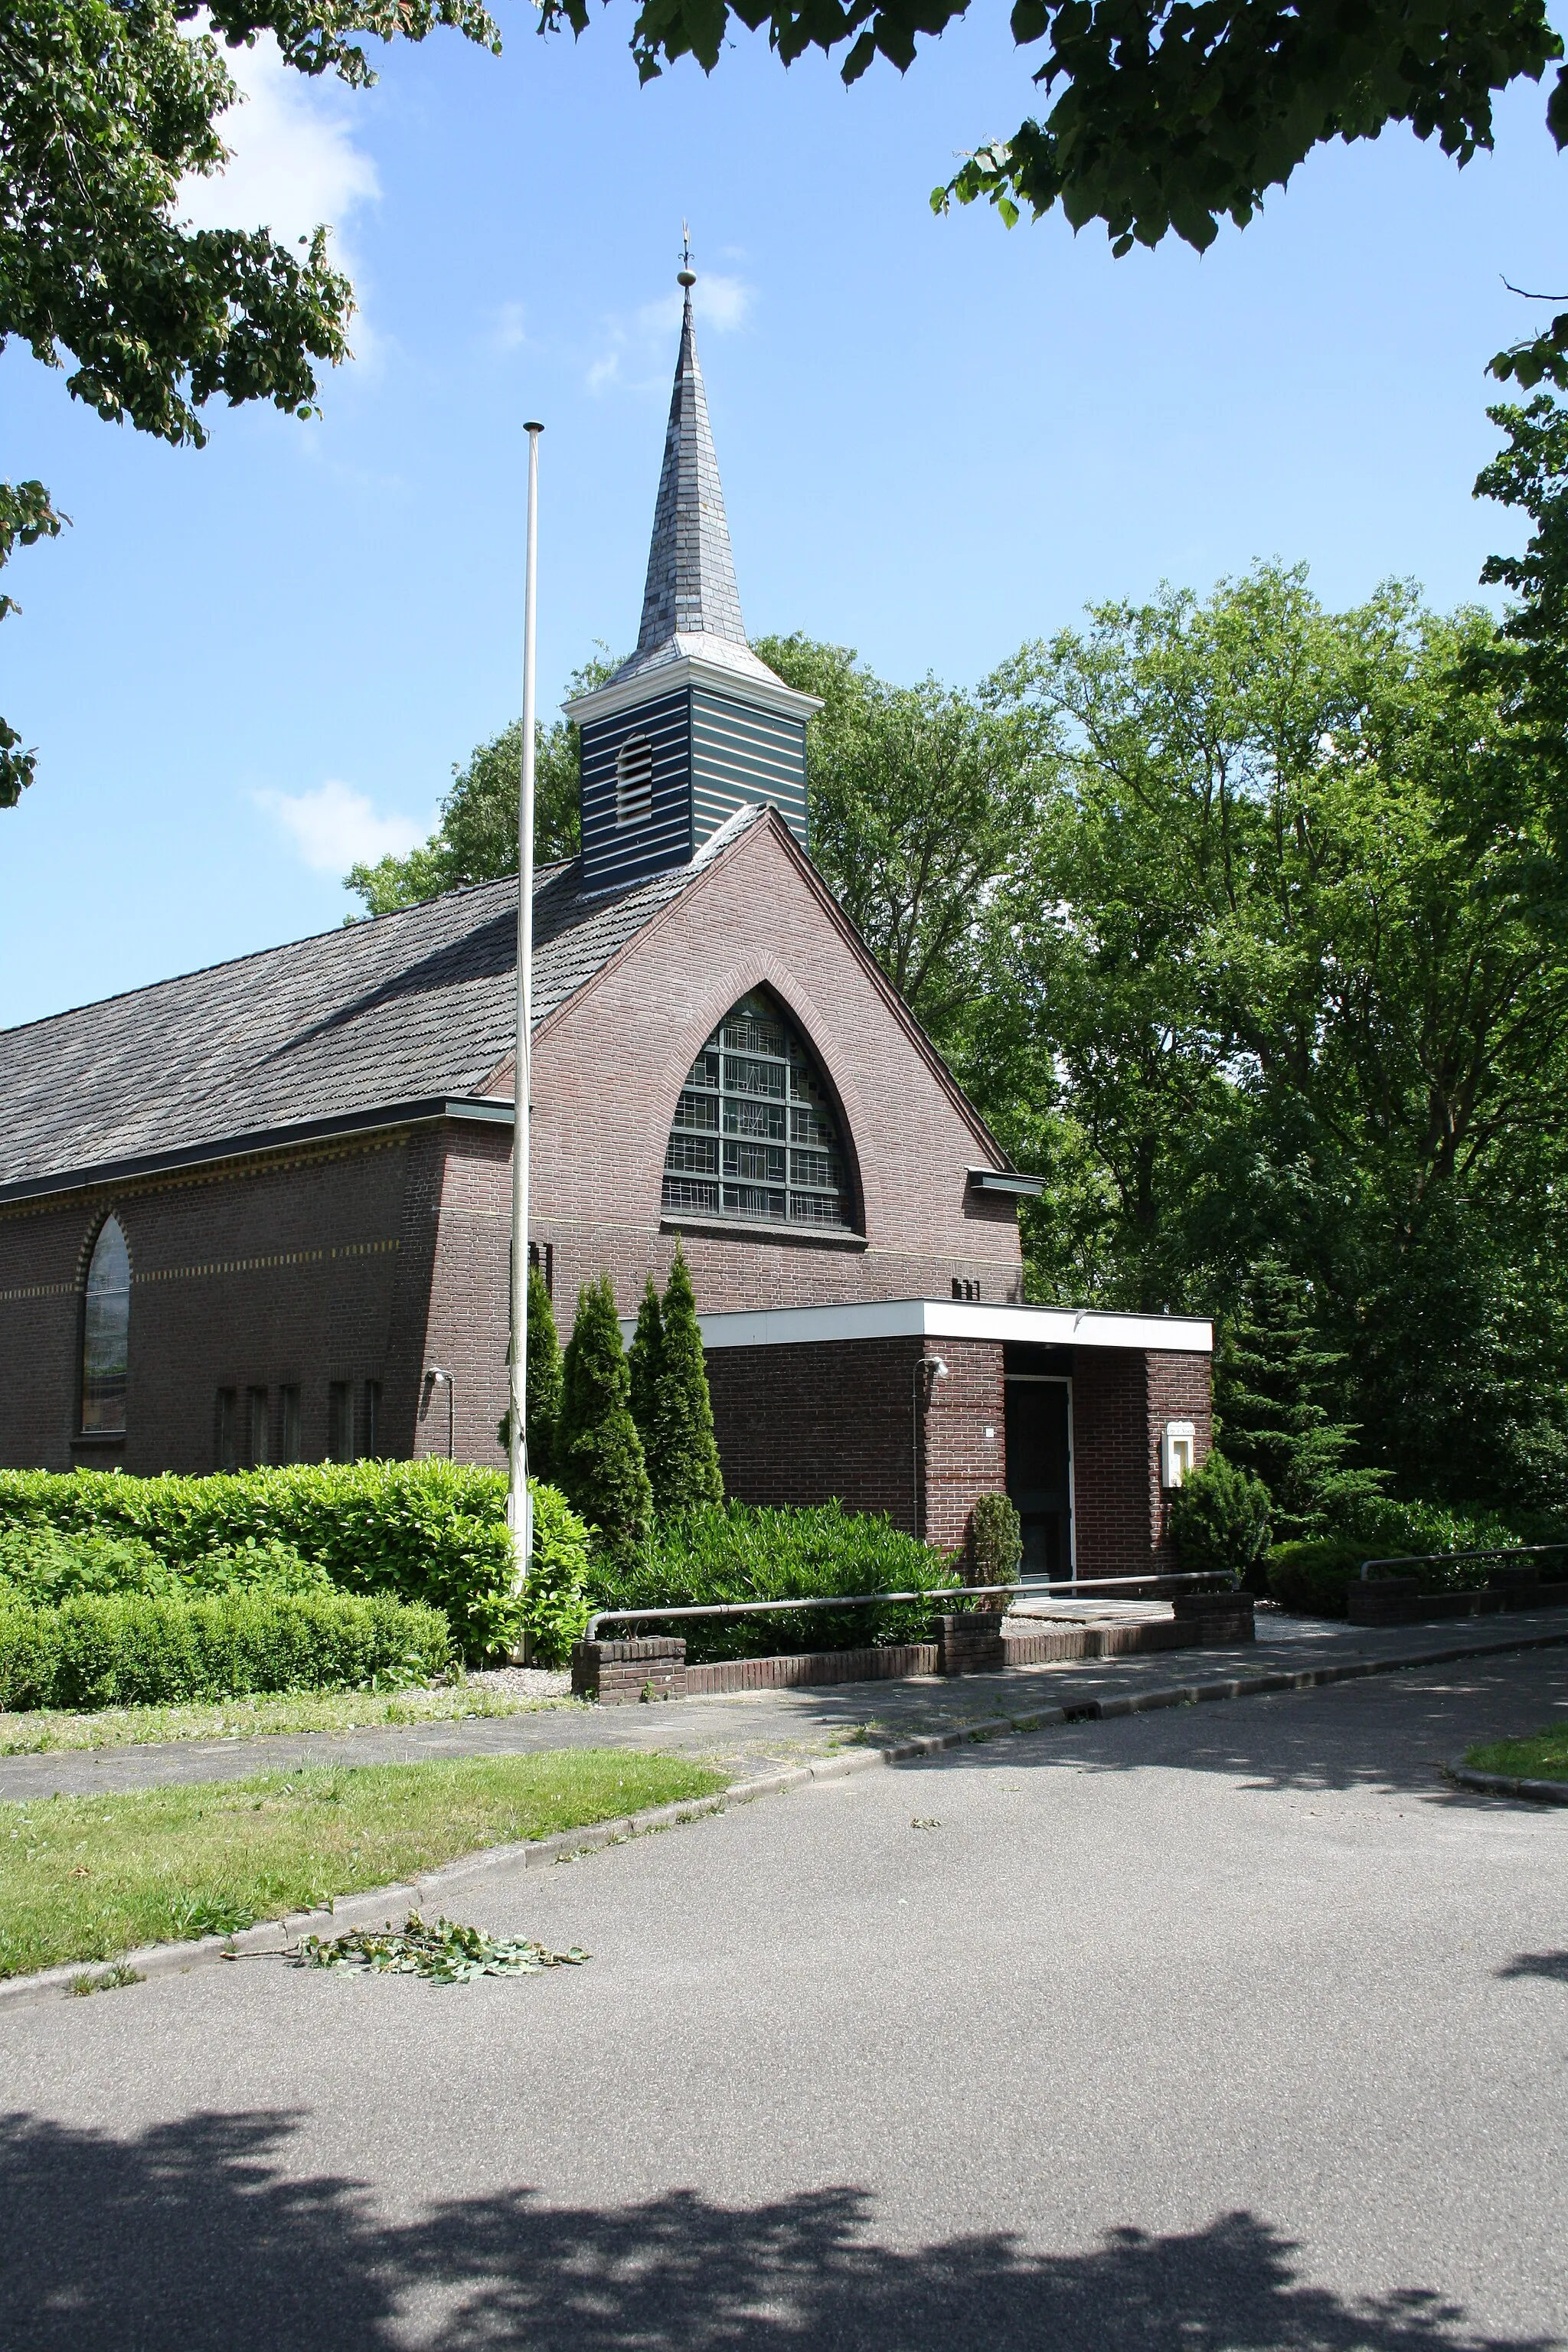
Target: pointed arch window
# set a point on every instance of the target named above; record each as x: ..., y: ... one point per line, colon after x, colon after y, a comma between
x: 106, y: 1333
x: 757, y: 1135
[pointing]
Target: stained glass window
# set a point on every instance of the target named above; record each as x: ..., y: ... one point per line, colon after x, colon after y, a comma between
x: 106, y: 1333
x: 756, y: 1136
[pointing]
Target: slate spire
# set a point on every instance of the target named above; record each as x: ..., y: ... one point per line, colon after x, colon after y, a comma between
x: 690, y: 589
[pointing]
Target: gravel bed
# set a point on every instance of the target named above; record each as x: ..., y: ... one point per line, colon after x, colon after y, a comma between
x: 522, y: 1682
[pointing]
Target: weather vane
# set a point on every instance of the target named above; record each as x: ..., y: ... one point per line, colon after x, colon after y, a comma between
x: 688, y: 276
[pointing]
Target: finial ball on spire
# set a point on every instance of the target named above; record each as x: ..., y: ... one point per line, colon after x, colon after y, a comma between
x: 686, y: 275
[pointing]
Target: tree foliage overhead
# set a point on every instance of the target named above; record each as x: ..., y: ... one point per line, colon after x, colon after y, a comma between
x: 1167, y: 114
x: 105, y: 106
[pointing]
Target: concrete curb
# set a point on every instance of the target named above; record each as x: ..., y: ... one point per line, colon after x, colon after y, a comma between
x: 1498, y: 1784
x: 375, y: 1908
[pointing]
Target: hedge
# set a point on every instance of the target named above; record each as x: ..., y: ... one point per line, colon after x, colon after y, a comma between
x: 425, y: 1531
x: 737, y: 1552
x: 140, y: 1649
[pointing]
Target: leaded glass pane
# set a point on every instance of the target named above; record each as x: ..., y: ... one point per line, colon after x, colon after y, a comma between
x: 817, y: 1209
x: 743, y: 1117
x: 696, y: 1110
x: 748, y: 1077
x: 697, y: 1155
x: 680, y: 1192
x: 814, y: 1168
x: 751, y: 1201
x: 783, y: 1158
x: 764, y: 1162
x: 106, y: 1333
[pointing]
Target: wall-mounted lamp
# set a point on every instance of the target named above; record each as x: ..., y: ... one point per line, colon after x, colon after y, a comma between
x: 434, y: 1378
x: 1176, y: 1443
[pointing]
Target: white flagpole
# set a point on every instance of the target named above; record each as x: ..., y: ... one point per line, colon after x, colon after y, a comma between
x: 519, y: 1506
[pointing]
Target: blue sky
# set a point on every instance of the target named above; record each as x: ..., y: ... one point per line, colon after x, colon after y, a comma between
x: 245, y: 666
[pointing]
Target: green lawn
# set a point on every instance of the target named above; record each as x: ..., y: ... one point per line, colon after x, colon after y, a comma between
x: 1544, y: 1756
x: 86, y: 1878
x: 251, y: 1718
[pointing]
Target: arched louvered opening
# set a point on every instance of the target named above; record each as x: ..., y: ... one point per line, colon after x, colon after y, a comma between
x: 106, y: 1333
x: 634, y: 781
x: 757, y: 1134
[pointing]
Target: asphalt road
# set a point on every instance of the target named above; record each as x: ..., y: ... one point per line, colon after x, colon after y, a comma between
x: 1222, y: 2027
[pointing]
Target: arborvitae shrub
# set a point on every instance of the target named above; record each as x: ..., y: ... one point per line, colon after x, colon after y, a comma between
x: 995, y: 1545
x: 1219, y: 1520
x: 1277, y: 1380
x: 683, y: 1462
x: 541, y: 1411
x: 600, y: 1466
x: 644, y: 1362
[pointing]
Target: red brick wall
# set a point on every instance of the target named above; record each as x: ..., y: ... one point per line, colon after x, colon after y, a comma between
x: 608, y: 1068
x: 819, y: 1423
x: 302, y: 1270
x: 1180, y: 1388
x: 962, y: 1462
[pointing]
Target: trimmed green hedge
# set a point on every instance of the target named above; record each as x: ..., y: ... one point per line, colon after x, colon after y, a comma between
x: 142, y: 1649
x: 425, y: 1531
x: 1312, y: 1577
x: 737, y: 1552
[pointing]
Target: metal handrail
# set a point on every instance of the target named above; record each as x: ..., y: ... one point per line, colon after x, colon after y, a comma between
x: 1488, y: 1551
x: 861, y: 1600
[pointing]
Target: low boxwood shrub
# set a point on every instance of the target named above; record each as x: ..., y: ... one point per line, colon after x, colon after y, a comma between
x: 429, y: 1532
x: 1383, y: 1527
x: 738, y: 1551
x: 98, y: 1650
x: 1312, y: 1577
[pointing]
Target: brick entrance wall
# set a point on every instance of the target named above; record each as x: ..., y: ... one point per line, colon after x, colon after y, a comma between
x: 817, y: 1421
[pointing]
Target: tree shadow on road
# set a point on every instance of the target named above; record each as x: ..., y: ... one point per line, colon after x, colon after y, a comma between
x: 194, y: 2234
x: 1554, y: 1966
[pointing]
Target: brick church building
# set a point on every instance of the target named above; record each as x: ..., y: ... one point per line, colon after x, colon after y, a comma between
x: 261, y: 1213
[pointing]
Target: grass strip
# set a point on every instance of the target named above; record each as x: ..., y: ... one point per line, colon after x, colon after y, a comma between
x: 87, y: 1878
x: 1542, y: 1756
x: 51, y: 1728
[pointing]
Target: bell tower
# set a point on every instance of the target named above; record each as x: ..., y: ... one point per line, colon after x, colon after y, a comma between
x: 693, y: 726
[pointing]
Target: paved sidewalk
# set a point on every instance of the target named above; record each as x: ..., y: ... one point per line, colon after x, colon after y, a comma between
x: 752, y: 1732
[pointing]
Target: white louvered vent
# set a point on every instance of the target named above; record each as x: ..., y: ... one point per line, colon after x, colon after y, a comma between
x: 634, y: 781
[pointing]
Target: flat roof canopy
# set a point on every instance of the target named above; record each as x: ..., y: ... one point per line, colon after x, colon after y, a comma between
x: 953, y: 1319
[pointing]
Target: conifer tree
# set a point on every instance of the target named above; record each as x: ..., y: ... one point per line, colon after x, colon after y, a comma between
x: 645, y: 1360
x: 542, y: 1403
x: 1276, y: 1379
x: 684, y: 1456
x: 599, y: 1463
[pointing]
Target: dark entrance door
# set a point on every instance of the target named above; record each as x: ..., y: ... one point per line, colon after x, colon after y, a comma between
x: 1038, y: 1470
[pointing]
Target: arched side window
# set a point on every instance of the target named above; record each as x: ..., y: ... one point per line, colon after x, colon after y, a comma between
x: 756, y: 1136
x: 106, y: 1333
x: 634, y: 782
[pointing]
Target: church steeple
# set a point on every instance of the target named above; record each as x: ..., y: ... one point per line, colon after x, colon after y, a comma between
x: 690, y: 588
x: 693, y: 725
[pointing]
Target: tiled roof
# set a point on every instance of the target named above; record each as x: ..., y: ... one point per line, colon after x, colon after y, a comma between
x: 691, y: 604
x: 408, y: 1007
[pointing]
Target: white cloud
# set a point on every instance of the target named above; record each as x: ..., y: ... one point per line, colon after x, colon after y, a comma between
x: 335, y: 827
x: 639, y: 354
x: 508, y: 330
x: 293, y: 161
